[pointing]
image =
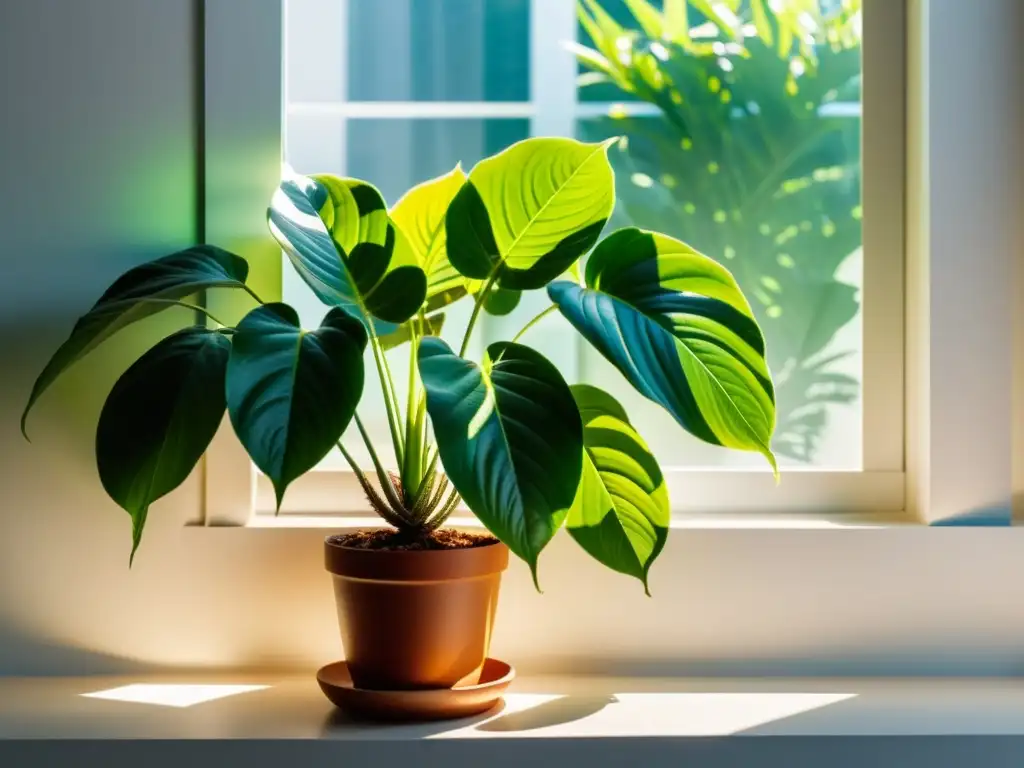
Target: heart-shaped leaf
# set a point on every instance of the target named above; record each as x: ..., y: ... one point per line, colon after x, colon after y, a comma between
x: 291, y: 393
x: 419, y: 216
x: 159, y: 418
x: 676, y: 325
x: 510, y: 439
x: 620, y: 515
x: 140, y: 292
x: 531, y: 211
x: 338, y: 237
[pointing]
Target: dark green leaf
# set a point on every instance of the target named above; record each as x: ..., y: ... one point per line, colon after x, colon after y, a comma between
x: 159, y: 418
x: 676, y: 325
x: 167, y: 279
x: 621, y: 512
x: 338, y: 237
x: 291, y: 392
x: 510, y: 439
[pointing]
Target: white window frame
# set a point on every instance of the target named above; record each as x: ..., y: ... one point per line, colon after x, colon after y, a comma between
x: 243, y: 96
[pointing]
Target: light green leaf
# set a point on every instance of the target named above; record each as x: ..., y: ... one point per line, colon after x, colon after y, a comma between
x: 159, y: 419
x: 620, y: 515
x: 139, y: 293
x: 648, y: 17
x: 677, y: 22
x: 530, y: 212
x: 761, y: 22
x: 404, y: 333
x: 419, y: 216
x: 338, y: 237
x: 676, y: 325
x: 510, y: 439
x: 290, y: 392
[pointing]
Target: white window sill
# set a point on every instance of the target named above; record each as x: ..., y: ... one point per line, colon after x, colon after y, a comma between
x: 545, y: 720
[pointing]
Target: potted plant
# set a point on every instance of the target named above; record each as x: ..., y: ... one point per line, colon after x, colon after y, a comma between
x: 525, y: 451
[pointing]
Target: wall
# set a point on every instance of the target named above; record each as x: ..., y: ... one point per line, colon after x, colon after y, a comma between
x: 98, y: 143
x: 98, y: 139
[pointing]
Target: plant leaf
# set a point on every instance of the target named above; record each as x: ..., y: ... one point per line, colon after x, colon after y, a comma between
x: 338, y: 237
x: 404, y: 333
x: 419, y: 216
x: 531, y: 211
x: 676, y: 325
x: 172, y: 277
x: 510, y: 439
x: 291, y: 393
x: 159, y: 418
x: 648, y: 17
x: 620, y: 515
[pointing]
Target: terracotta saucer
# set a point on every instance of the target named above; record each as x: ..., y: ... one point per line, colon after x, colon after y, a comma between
x: 432, y: 704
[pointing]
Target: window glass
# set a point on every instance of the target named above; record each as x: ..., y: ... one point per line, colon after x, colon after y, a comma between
x: 747, y: 148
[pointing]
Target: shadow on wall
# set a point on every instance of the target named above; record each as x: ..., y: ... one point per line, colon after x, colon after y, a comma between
x: 26, y: 654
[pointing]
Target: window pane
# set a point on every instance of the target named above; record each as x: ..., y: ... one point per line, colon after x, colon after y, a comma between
x: 397, y: 154
x: 754, y: 160
x: 438, y: 50
x: 760, y: 169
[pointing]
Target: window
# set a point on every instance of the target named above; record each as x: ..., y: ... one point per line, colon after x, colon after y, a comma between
x: 776, y: 174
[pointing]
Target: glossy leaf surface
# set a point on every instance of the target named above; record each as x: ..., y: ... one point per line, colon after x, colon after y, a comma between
x: 509, y: 436
x: 291, y: 392
x: 159, y: 419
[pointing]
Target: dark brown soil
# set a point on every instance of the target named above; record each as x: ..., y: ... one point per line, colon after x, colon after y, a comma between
x: 389, y: 538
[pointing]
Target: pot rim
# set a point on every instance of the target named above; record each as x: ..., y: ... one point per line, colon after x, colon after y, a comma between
x: 415, y: 565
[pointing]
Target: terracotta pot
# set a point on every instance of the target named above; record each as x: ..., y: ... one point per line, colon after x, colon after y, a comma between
x: 415, y: 619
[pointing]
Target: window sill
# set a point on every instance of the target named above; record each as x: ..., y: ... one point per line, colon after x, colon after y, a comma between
x: 545, y: 720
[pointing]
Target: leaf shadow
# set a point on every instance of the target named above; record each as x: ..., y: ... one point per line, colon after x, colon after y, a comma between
x: 565, y: 709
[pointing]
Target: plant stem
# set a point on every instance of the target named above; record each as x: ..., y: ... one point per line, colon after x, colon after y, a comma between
x: 185, y: 304
x: 379, y: 505
x: 534, y: 321
x: 252, y: 293
x: 410, y: 467
x: 382, y: 475
x: 481, y: 297
x: 390, y: 400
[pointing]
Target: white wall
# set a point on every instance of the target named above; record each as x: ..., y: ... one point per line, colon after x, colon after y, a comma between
x: 98, y: 142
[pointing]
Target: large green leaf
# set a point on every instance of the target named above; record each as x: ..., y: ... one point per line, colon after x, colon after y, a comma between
x: 676, y: 325
x: 138, y: 293
x: 620, y: 515
x: 338, y: 237
x: 291, y: 392
x: 159, y: 418
x: 510, y: 439
x: 419, y: 216
x: 529, y: 212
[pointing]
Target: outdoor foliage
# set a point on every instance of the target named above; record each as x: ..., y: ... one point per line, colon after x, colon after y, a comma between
x: 750, y: 160
x: 527, y: 452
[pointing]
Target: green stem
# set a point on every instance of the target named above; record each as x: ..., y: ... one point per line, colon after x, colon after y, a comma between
x: 481, y: 297
x: 382, y: 475
x: 410, y: 468
x: 379, y: 505
x: 537, y: 319
x: 185, y: 304
x: 390, y: 398
x: 252, y: 293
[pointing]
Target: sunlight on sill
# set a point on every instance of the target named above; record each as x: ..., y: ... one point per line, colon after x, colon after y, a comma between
x: 171, y: 695
x: 642, y: 714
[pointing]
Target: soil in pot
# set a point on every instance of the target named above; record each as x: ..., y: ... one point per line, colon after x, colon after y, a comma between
x: 415, y: 612
x: 383, y: 538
